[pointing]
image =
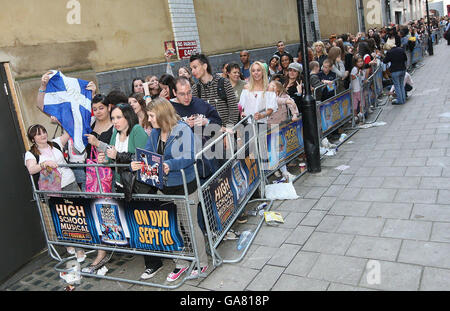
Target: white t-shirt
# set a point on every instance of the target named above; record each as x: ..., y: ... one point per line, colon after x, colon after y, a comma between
x: 74, y: 155
x: 53, y: 154
x: 258, y: 101
x: 357, y: 83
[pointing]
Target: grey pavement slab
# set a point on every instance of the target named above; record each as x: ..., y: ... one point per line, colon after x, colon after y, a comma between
x: 300, y: 235
x: 229, y: 277
x: 350, y: 208
x: 328, y: 242
x: 330, y: 223
x: 416, y: 196
x: 296, y: 283
x: 376, y: 195
x: 431, y: 212
x: 393, y: 276
x: 374, y: 248
x: 407, y: 229
x: 302, y: 263
x: 339, y: 269
x: 433, y: 254
x: 435, y: 279
x: 361, y: 226
x: 284, y: 255
x: 265, y: 279
x: 390, y: 210
x: 440, y: 232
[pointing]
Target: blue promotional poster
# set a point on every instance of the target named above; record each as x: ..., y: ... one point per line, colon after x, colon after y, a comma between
x: 284, y: 143
x: 333, y: 112
x: 146, y: 225
x: 229, y: 190
x: 153, y: 226
x: 152, y: 168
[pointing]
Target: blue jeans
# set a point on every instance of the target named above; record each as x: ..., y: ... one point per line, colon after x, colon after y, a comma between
x: 398, y: 77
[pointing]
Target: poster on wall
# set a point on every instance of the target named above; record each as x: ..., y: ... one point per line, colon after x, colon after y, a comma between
x: 146, y: 225
x: 334, y: 111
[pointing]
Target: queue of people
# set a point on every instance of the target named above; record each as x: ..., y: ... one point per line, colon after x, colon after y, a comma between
x: 157, y: 109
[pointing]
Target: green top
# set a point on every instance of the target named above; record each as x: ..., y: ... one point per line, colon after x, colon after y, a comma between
x: 137, y: 139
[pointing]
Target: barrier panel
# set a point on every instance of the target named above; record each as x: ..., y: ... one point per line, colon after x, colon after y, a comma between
x: 282, y: 144
x: 334, y: 112
x: 153, y: 225
x: 417, y: 54
x: 226, y: 193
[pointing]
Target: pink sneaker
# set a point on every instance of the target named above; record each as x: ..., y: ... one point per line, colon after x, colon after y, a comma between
x: 175, y: 274
x: 195, y: 270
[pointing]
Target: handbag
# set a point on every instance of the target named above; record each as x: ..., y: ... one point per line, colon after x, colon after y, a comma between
x: 105, y: 173
x: 50, y: 179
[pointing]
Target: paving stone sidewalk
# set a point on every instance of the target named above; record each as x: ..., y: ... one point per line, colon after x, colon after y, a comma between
x: 389, y: 212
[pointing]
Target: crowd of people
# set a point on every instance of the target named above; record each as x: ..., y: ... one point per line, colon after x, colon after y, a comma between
x: 159, y: 108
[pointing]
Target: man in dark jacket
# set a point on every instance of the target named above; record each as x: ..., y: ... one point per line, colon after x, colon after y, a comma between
x: 397, y: 57
x: 193, y: 110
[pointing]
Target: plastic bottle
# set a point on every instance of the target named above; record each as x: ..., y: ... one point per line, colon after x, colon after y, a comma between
x: 244, y: 239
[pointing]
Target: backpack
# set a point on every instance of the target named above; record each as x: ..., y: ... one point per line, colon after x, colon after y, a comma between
x: 220, y: 89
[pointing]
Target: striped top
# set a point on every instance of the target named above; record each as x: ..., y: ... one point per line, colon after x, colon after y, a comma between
x: 228, y: 110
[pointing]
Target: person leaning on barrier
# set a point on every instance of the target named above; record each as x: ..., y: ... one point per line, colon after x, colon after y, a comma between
x: 327, y: 77
x: 198, y: 114
x: 43, y: 155
x: 174, y: 139
x: 102, y: 130
x: 127, y: 136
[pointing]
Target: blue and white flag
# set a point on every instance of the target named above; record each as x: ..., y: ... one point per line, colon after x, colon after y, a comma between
x: 68, y: 100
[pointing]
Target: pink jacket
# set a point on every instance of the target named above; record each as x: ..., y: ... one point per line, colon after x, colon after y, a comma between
x: 281, y: 115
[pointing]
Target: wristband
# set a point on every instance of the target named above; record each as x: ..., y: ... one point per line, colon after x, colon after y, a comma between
x: 41, y: 91
x: 147, y: 96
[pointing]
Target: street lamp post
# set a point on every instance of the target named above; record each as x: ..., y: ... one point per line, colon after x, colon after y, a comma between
x: 308, y: 105
x: 430, y: 41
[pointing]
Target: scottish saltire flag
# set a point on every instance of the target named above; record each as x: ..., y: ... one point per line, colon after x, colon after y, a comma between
x: 68, y: 100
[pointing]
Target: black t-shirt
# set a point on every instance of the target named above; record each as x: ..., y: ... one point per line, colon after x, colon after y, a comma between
x: 104, y: 137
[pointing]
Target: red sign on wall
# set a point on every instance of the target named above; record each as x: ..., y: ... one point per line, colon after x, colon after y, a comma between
x: 186, y: 48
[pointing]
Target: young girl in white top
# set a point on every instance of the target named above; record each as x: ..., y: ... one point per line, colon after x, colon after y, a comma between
x: 44, y: 154
x: 255, y: 99
x: 357, y: 77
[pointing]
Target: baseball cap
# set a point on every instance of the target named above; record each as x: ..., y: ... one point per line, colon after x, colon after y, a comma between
x: 296, y: 66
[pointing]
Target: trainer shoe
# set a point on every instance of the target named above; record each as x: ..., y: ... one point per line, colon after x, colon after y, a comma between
x: 195, y: 271
x: 150, y: 272
x: 242, y: 219
x: 175, y: 274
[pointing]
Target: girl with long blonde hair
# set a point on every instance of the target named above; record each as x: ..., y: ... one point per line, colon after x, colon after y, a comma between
x: 255, y: 99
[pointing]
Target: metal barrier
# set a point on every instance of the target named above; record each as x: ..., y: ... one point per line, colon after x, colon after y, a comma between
x: 226, y: 193
x: 148, y: 225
